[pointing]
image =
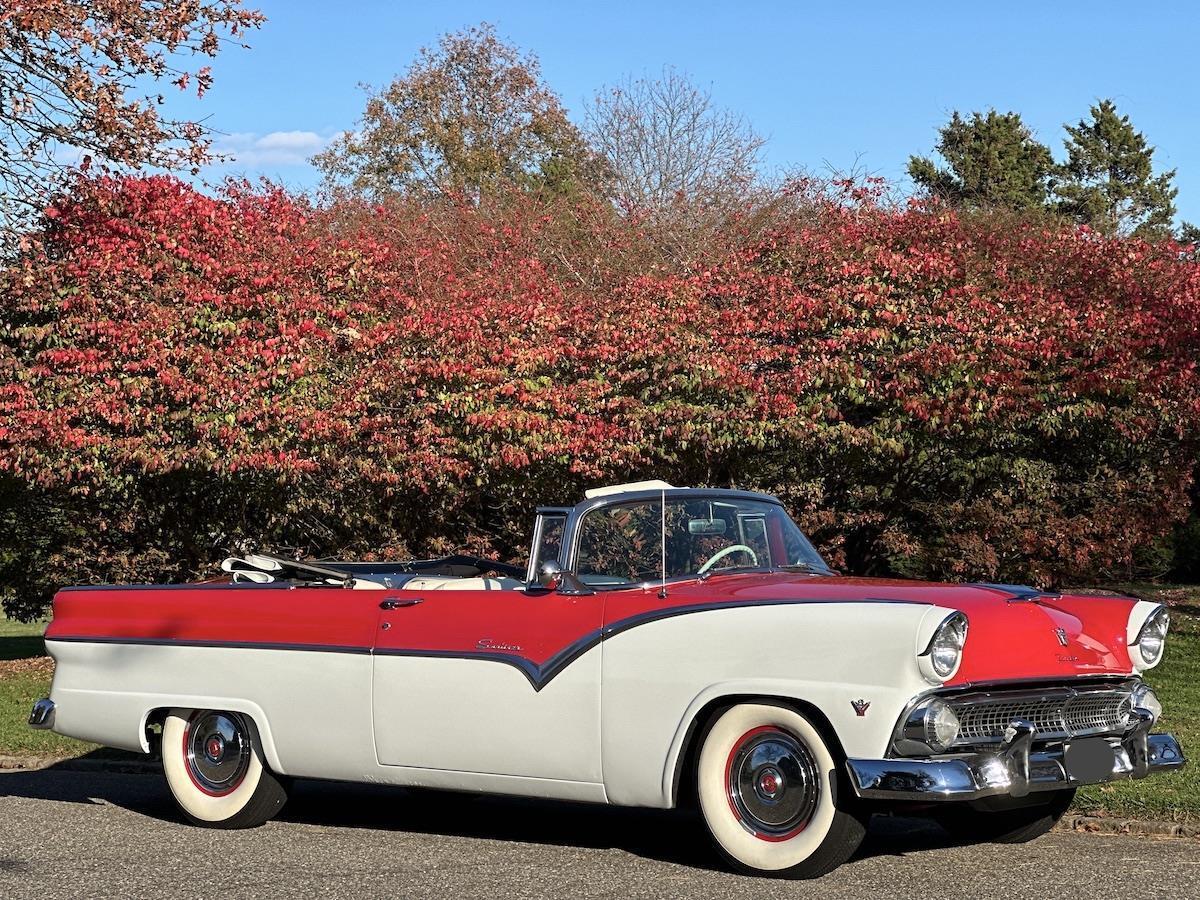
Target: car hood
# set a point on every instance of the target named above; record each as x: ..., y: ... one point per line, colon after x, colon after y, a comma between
x: 1007, y: 638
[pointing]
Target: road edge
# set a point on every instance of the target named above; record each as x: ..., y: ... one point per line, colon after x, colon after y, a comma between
x: 1072, y: 822
x: 1088, y: 824
x: 131, y: 766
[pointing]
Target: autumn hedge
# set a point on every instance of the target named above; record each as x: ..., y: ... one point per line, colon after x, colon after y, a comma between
x: 931, y: 395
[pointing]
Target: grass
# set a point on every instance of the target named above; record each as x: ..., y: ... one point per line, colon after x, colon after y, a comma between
x: 25, y: 676
x: 1173, y: 797
x: 20, y: 641
x: 25, y: 673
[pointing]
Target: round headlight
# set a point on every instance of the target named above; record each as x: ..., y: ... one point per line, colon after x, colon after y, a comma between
x: 930, y: 727
x: 1144, y: 697
x: 1153, y: 636
x: 945, y: 649
x: 941, y: 725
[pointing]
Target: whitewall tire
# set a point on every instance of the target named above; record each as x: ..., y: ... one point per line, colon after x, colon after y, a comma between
x: 215, y: 770
x: 768, y: 788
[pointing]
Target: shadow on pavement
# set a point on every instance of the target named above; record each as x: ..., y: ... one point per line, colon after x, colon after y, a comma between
x: 664, y: 835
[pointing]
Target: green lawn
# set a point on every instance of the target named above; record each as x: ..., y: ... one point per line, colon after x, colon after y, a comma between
x: 1174, y: 797
x: 20, y: 641
x: 25, y: 676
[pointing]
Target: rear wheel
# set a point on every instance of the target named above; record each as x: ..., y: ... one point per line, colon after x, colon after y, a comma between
x: 215, y: 770
x: 768, y: 788
x: 1006, y: 826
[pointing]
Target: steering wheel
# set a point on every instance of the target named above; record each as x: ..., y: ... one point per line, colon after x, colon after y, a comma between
x: 721, y: 554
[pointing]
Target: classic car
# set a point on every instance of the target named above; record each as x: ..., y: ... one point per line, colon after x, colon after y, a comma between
x: 663, y: 647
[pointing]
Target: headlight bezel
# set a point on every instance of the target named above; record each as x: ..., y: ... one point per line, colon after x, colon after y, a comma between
x: 918, y: 735
x: 1147, y: 649
x: 942, y: 656
x: 1146, y: 697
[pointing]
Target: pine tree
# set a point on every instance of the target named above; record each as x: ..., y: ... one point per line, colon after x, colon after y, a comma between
x: 994, y: 160
x: 1108, y: 181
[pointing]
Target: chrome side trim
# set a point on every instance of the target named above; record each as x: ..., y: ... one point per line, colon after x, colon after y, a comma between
x: 42, y: 715
x: 1014, y: 771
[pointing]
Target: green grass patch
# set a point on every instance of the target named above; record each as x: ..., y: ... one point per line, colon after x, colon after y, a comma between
x: 18, y: 692
x: 25, y: 675
x: 19, y: 640
x: 1174, y: 796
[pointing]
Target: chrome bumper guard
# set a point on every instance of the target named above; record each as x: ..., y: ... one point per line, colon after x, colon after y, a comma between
x: 1014, y: 769
x: 42, y: 716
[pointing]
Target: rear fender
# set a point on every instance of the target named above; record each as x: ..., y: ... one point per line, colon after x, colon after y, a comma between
x: 247, y: 708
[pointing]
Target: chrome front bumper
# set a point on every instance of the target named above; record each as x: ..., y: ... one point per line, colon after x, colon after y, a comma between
x: 1014, y: 769
x: 42, y: 715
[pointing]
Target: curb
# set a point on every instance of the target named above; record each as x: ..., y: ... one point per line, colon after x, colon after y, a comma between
x: 1117, y: 825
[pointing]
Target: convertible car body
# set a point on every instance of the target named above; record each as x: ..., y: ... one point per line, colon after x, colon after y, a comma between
x: 663, y: 646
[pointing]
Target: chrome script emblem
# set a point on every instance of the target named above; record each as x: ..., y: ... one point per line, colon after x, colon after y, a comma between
x: 489, y: 644
x: 1061, y: 634
x: 860, y: 706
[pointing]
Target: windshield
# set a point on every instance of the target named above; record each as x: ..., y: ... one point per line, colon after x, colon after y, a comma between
x: 622, y: 543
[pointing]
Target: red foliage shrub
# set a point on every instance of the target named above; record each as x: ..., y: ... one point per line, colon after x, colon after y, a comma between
x: 931, y: 395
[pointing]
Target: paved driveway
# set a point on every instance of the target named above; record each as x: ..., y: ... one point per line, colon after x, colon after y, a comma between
x: 75, y: 834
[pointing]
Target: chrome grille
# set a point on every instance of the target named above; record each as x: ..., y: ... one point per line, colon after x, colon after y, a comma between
x: 1053, y: 715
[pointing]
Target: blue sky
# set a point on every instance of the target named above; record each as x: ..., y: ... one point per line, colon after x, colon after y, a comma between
x: 831, y: 85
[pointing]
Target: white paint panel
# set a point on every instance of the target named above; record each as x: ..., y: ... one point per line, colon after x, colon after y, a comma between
x: 313, y: 711
x: 312, y: 708
x: 658, y: 676
x: 483, y: 716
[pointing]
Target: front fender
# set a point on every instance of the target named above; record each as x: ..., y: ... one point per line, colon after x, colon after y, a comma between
x: 838, y: 704
x: 854, y: 662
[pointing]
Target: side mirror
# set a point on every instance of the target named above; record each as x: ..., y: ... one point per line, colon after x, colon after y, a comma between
x: 553, y: 578
x: 551, y: 575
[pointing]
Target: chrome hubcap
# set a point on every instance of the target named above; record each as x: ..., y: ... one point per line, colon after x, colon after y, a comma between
x: 217, y: 746
x: 773, y: 783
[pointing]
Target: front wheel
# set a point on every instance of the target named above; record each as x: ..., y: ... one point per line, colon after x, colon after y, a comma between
x: 1006, y: 826
x: 215, y: 770
x: 768, y: 788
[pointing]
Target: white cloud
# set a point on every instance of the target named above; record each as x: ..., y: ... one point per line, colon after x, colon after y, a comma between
x: 250, y: 150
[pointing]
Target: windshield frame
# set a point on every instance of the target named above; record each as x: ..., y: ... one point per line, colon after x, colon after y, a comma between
x: 580, y: 511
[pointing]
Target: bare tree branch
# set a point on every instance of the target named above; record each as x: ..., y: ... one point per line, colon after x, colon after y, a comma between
x: 70, y: 76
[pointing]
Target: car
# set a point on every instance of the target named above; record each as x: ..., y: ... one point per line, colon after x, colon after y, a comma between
x: 662, y: 647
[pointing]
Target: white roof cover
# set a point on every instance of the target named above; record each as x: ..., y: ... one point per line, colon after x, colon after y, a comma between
x: 652, y: 485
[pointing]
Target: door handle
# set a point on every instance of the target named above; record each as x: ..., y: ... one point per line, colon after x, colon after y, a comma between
x: 398, y: 602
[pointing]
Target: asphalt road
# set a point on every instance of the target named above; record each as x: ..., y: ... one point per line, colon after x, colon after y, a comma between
x: 75, y: 834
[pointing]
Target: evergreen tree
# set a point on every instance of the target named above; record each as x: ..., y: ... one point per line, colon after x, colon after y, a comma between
x: 993, y: 159
x: 1108, y: 181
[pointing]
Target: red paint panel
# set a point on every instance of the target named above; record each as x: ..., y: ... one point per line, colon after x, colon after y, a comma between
x: 277, y: 615
x: 1019, y: 640
x: 1005, y: 640
x: 534, y: 626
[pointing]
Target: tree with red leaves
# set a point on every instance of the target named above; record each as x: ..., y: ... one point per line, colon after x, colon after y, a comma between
x: 932, y: 394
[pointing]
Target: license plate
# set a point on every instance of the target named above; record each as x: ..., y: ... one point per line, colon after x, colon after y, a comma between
x: 1089, y: 760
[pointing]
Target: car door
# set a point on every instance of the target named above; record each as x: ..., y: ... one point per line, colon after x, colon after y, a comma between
x: 502, y: 682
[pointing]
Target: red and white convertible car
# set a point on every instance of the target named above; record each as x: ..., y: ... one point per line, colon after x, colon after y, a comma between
x: 663, y: 646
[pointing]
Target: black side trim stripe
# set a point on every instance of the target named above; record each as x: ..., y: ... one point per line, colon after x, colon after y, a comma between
x: 538, y: 675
